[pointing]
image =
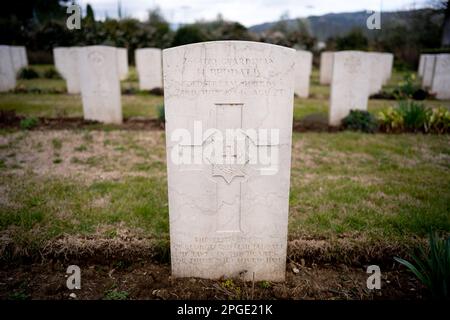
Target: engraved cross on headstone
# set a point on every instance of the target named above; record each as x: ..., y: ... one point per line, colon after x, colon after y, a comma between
x: 229, y: 173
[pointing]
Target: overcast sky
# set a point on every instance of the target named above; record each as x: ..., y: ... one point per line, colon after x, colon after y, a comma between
x: 247, y: 12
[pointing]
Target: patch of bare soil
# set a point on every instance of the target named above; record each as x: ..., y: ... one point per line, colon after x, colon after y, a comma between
x: 148, y: 280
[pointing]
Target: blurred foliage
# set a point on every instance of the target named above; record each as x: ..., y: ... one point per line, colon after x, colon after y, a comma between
x: 40, y: 25
x: 360, y: 120
x: 27, y: 73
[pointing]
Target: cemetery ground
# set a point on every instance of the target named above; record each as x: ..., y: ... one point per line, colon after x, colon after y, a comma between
x: 96, y: 196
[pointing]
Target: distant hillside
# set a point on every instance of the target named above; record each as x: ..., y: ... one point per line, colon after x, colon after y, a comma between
x: 333, y: 24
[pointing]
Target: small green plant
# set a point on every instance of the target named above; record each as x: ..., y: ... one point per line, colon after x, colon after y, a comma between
x: 233, y: 288
x: 439, y: 120
x: 415, y: 115
x: 265, y: 285
x: 432, y: 266
x: 359, y: 120
x: 161, y: 114
x: 28, y: 123
x: 406, y: 88
x: 28, y: 73
x: 390, y: 120
x: 57, y: 144
x: 19, y: 295
x: 51, y: 73
x: 116, y: 295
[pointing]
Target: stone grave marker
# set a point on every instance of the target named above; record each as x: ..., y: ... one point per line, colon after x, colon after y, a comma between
x: 421, y: 65
x: 149, y: 68
x: 58, y: 60
x: 66, y: 62
x: 229, y: 109
x: 349, y: 85
x: 326, y: 67
x: 441, y: 78
x: 19, y: 57
x: 377, y: 71
x: 100, y: 84
x: 122, y: 63
x: 388, y: 62
x: 303, y: 66
x: 7, y: 72
x: 428, y: 70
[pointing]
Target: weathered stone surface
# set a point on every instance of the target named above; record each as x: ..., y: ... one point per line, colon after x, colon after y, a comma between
x: 58, y: 60
x: 19, y: 57
x: 100, y: 85
x: 377, y: 72
x: 428, y: 70
x: 326, y: 67
x: 229, y: 208
x: 149, y: 68
x: 388, y: 62
x: 349, y: 85
x: 67, y: 64
x: 421, y: 65
x: 303, y: 66
x: 441, y: 78
x: 7, y: 72
x: 122, y: 63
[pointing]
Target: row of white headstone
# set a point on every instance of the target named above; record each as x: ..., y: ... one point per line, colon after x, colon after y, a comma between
x: 85, y: 72
x: 96, y: 72
x: 353, y: 76
x: 12, y: 59
x: 148, y: 65
x: 434, y: 69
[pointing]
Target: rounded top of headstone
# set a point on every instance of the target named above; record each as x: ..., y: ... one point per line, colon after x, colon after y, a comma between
x: 148, y: 49
x: 230, y: 42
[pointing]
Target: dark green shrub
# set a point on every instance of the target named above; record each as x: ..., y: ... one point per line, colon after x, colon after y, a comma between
x: 28, y: 123
x: 52, y: 73
x: 432, y: 266
x: 415, y: 116
x: 157, y: 91
x: 420, y: 94
x: 28, y: 73
x: 160, y: 113
x: 359, y: 120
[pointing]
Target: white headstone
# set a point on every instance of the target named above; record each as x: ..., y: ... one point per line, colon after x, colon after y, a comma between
x: 441, y: 79
x: 122, y: 60
x: 66, y: 62
x: 149, y: 68
x: 59, y: 54
x: 349, y: 84
x: 303, y: 66
x: 23, y: 53
x: 428, y: 70
x: 388, y: 62
x: 377, y: 72
x: 7, y: 72
x: 100, y: 84
x: 73, y: 70
x: 229, y: 211
x: 326, y: 67
x: 421, y: 65
x: 19, y: 58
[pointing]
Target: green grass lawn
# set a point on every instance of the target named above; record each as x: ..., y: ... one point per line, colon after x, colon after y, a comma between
x: 388, y: 187
x: 100, y: 182
x: 145, y: 105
